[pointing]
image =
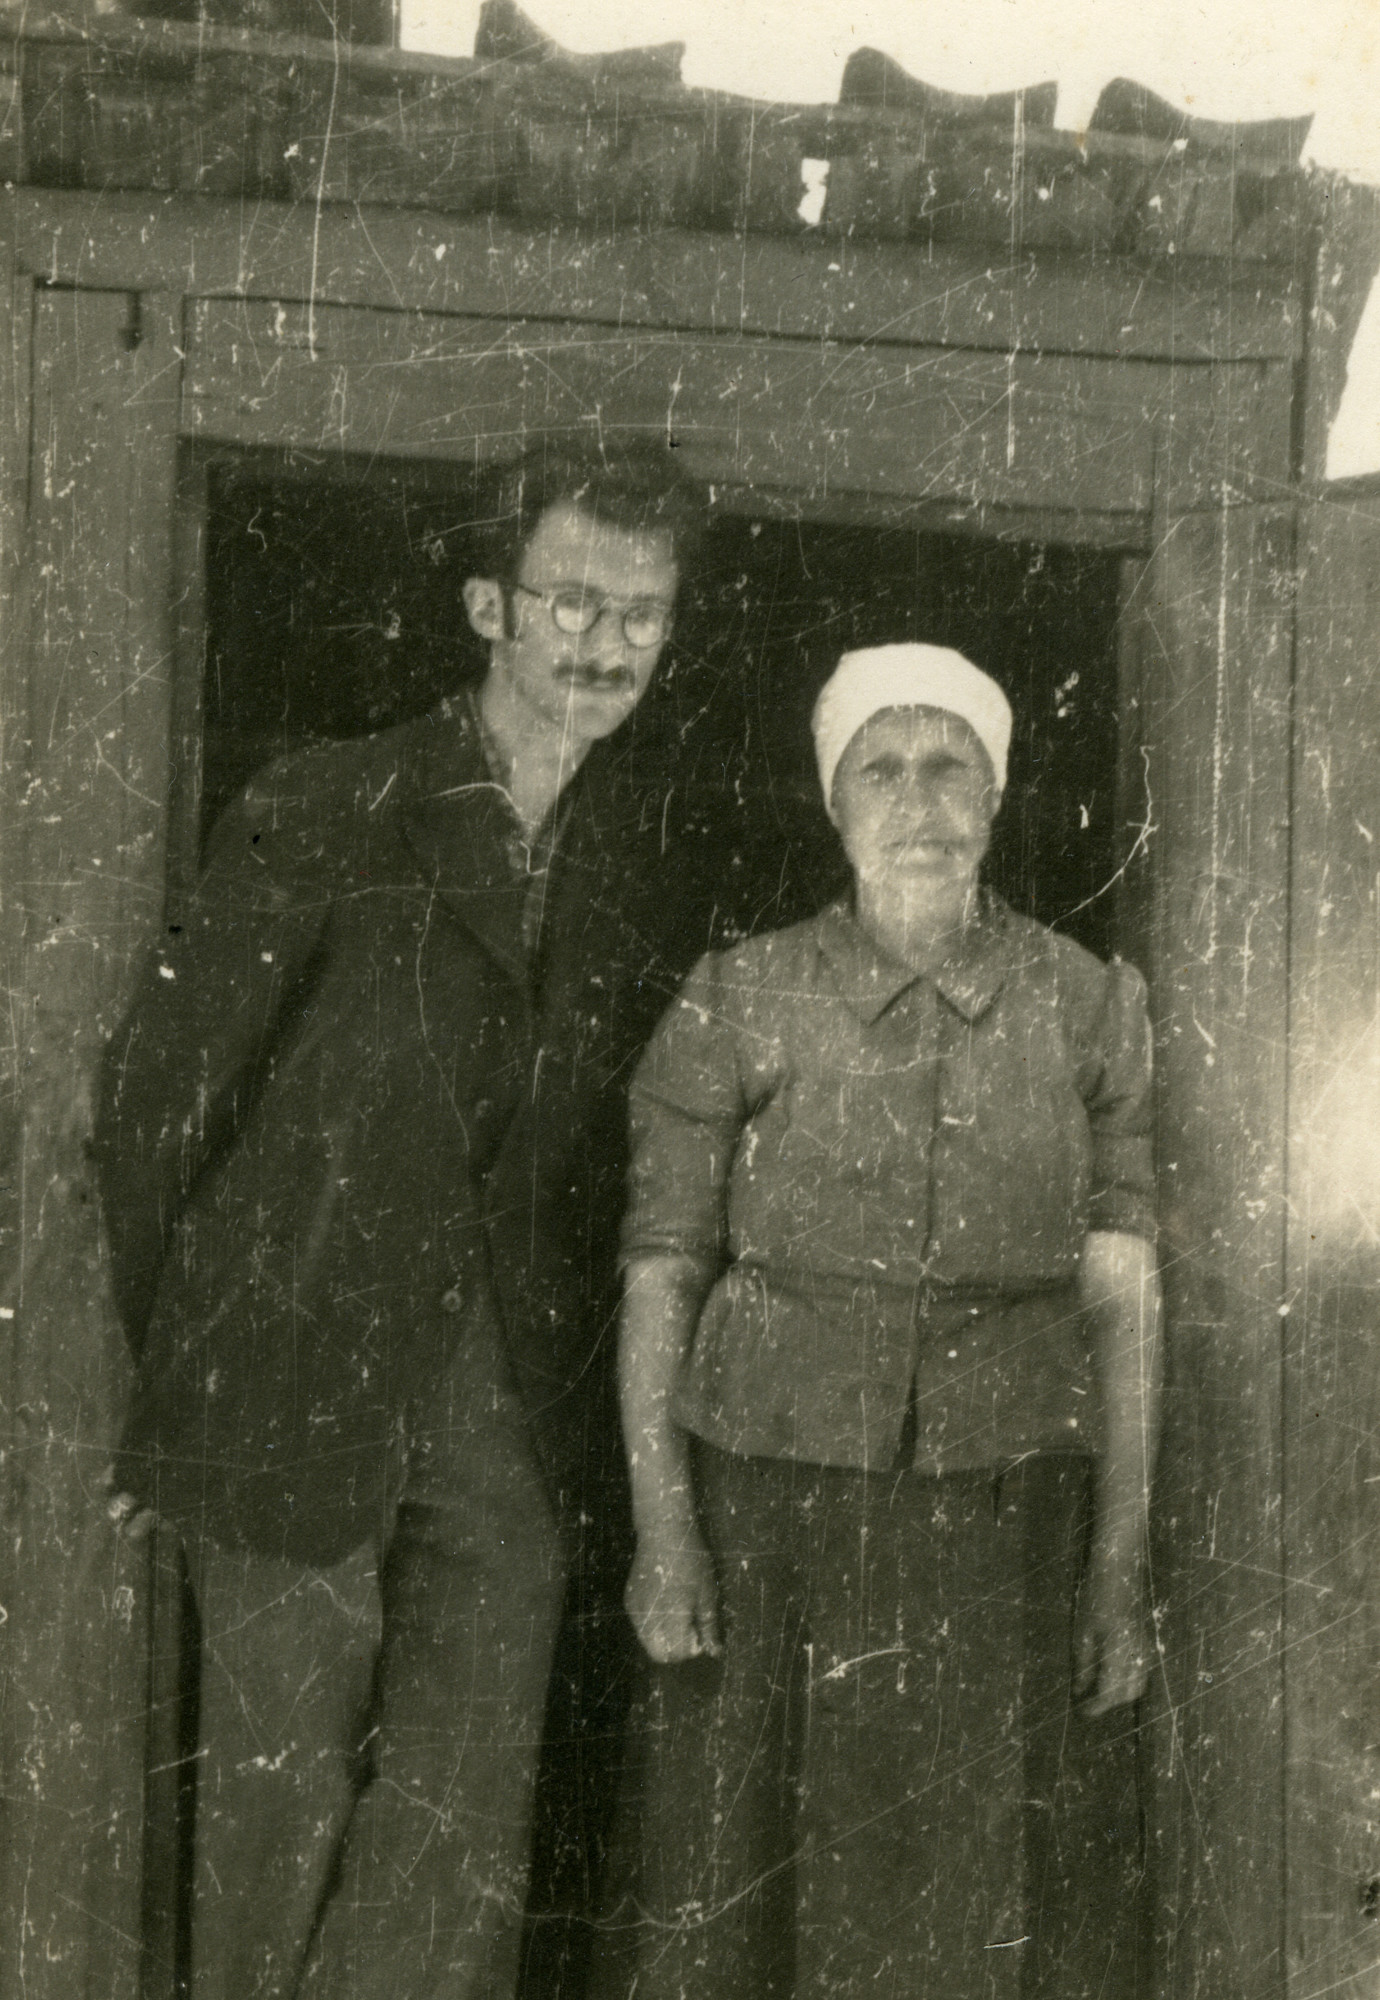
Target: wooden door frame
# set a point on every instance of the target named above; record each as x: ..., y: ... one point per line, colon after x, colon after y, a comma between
x: 100, y: 1650
x: 86, y: 799
x: 1016, y: 523
x: 1330, y: 1327
x: 1211, y: 666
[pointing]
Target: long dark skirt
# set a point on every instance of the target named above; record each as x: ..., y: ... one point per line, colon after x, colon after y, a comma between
x: 883, y: 1787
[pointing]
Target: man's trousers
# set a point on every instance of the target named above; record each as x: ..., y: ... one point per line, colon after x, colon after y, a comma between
x: 369, y: 1733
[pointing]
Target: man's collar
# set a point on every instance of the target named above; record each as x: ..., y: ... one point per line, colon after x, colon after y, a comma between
x: 870, y: 978
x: 451, y: 759
x: 461, y: 760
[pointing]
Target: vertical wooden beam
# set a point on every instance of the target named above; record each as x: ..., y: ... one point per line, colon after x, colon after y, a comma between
x: 16, y: 302
x: 1332, y: 1353
x: 1134, y: 802
x: 170, y: 1787
x: 16, y: 305
x: 1212, y: 619
x: 89, y: 887
x: 190, y: 527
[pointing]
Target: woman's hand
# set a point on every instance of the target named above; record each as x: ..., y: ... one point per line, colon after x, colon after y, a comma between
x: 1112, y: 1646
x: 672, y: 1595
x: 1121, y: 1296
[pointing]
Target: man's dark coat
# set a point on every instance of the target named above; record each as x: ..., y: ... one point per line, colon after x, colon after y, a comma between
x: 343, y: 1113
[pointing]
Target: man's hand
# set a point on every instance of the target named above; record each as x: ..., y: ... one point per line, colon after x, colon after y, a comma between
x: 133, y: 1520
x: 1112, y: 1648
x: 672, y: 1596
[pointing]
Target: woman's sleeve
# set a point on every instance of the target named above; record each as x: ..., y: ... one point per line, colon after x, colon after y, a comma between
x: 1120, y: 1109
x: 687, y: 1110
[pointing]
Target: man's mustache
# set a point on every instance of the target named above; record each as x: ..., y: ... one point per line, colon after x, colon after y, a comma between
x: 587, y: 674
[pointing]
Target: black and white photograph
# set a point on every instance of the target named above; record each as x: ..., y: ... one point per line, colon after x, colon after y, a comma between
x: 690, y: 915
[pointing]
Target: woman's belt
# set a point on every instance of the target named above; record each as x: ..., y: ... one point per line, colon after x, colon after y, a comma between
x: 926, y: 1293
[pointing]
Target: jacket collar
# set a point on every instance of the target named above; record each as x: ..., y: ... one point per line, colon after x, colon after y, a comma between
x: 870, y: 979
x: 456, y: 820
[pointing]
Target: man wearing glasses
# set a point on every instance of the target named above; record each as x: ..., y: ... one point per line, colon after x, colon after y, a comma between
x: 361, y: 1147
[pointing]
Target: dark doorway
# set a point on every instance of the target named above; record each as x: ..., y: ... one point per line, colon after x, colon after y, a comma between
x: 332, y: 608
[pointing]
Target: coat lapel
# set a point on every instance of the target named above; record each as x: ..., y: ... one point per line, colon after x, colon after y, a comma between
x: 456, y: 822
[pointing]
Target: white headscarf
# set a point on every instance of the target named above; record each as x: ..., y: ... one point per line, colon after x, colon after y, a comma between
x: 909, y: 676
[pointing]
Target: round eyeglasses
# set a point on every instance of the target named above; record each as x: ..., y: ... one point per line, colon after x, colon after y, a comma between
x: 576, y: 611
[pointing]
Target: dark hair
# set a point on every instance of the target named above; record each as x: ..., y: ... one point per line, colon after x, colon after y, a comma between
x: 637, y: 486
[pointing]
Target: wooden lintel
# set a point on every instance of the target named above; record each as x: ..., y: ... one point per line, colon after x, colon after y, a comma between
x: 1073, y: 434
x: 954, y: 294
x: 1086, y: 527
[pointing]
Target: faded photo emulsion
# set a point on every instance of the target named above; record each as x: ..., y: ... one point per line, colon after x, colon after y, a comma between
x: 689, y: 1196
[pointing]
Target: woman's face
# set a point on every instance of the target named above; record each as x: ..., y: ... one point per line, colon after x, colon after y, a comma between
x: 914, y: 799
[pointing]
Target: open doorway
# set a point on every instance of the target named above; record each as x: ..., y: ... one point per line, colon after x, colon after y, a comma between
x: 331, y: 607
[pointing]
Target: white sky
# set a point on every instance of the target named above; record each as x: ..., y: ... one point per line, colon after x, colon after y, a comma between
x: 1219, y: 58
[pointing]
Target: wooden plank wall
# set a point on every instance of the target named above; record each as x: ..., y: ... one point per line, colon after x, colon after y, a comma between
x: 16, y: 301
x: 16, y: 296
x: 1332, y: 1353
x: 1210, y: 673
x: 90, y: 688
x: 955, y: 295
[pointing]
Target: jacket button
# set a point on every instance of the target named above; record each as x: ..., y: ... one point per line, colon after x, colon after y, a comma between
x: 453, y: 1301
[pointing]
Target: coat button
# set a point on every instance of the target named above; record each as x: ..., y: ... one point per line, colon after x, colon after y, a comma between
x: 453, y: 1301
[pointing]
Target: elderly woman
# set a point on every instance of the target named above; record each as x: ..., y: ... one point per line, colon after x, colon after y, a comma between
x: 890, y: 1293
